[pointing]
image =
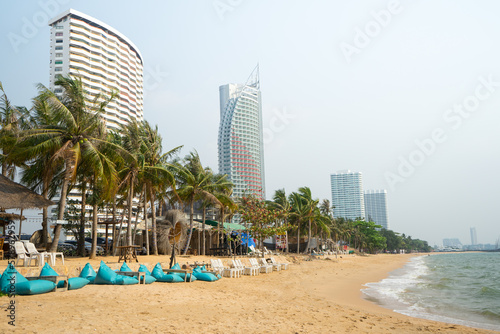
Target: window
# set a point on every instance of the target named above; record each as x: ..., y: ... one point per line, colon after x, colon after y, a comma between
x: 59, y: 54
x: 58, y: 62
x: 58, y: 69
x: 59, y: 40
x: 58, y: 90
x: 59, y: 47
x: 59, y: 27
x: 59, y: 33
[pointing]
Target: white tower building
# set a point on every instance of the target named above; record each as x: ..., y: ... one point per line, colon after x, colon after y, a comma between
x: 376, y: 207
x: 347, y: 195
x: 241, y: 148
x: 104, y: 58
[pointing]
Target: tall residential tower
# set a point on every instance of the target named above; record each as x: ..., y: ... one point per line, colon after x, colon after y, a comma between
x: 105, y: 59
x: 347, y: 195
x: 376, y: 207
x: 241, y: 147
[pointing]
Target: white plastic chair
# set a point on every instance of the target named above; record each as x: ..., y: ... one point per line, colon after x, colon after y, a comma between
x: 228, y: 272
x: 273, y: 266
x: 283, y: 265
x: 32, y: 251
x: 263, y: 268
x: 22, y: 255
x: 247, y: 270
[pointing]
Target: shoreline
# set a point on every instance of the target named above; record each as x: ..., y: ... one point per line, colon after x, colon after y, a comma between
x: 323, y: 295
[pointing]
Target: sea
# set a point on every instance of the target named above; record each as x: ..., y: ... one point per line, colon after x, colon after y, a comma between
x: 457, y: 288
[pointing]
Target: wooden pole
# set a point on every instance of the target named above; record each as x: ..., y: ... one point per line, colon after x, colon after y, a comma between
x: 20, y: 224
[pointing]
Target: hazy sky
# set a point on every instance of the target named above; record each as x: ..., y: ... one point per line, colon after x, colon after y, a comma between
x: 406, y: 92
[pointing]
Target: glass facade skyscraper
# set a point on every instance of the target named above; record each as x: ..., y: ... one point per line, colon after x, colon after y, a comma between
x: 347, y: 195
x: 240, y: 142
x: 376, y: 207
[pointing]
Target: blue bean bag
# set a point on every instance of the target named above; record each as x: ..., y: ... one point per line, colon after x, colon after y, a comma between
x: 88, y: 272
x: 203, y: 268
x: 12, y: 282
x: 177, y: 266
x: 164, y: 277
x: 149, y: 279
x: 207, y: 277
x: 73, y: 282
x: 107, y: 276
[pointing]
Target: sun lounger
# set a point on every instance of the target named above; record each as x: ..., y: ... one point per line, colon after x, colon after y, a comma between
x: 23, y: 255
x: 284, y: 266
x: 225, y: 271
x: 247, y: 270
x: 263, y: 268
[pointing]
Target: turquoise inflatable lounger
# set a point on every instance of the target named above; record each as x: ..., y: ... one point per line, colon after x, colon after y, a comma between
x: 208, y: 277
x: 107, y: 276
x: 12, y: 282
x: 164, y: 277
x: 188, y: 278
x: 73, y: 282
x: 149, y: 279
x: 88, y: 272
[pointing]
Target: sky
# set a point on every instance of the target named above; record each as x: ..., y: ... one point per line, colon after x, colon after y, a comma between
x: 406, y: 92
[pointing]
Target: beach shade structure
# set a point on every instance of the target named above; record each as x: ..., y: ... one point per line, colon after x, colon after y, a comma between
x: 88, y: 273
x: 107, y: 276
x: 73, y: 282
x: 12, y: 282
x: 16, y: 196
x: 149, y: 279
x: 203, y: 276
x: 164, y: 277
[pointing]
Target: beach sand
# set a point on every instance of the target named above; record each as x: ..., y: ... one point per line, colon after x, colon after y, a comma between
x: 319, y: 296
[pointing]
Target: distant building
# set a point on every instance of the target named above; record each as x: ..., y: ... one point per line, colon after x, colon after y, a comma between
x: 347, y: 195
x: 376, y: 207
x: 240, y: 142
x: 452, y: 243
x: 473, y: 236
x: 105, y: 59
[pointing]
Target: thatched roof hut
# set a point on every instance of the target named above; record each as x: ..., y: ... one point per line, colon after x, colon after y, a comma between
x: 16, y: 196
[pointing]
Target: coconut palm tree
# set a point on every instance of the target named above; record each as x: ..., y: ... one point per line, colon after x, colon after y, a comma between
x: 12, y: 121
x: 74, y: 136
x: 194, y: 182
x: 281, y: 202
x: 310, y: 208
x: 298, y: 214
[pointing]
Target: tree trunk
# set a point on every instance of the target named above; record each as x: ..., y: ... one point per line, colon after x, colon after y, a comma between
x: 60, y: 216
x: 115, y: 242
x: 129, y: 223
x: 298, y: 238
x: 203, y: 229
x: 45, y: 230
x: 309, y: 238
x: 93, y: 249
x: 146, y: 220
x: 114, y: 224
x: 81, y: 235
x: 191, y: 215
x: 153, y: 222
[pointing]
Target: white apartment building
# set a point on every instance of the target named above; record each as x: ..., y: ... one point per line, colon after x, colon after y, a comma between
x: 376, y: 207
x: 240, y: 142
x: 104, y: 58
x: 347, y: 195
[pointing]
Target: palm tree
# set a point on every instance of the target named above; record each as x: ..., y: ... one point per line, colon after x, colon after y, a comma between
x: 310, y: 207
x: 194, y: 183
x: 73, y: 137
x: 157, y: 173
x: 298, y: 214
x: 281, y: 202
x: 11, y: 122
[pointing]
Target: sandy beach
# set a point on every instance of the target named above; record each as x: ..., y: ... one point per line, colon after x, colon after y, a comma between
x: 318, y: 296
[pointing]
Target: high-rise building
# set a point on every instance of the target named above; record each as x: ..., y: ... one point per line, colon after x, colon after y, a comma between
x: 473, y: 236
x: 240, y: 142
x: 376, y: 207
x: 104, y: 58
x: 347, y: 195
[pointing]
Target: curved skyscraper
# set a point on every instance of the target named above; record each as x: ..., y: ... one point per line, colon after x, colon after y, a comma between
x: 241, y: 148
x: 105, y: 59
